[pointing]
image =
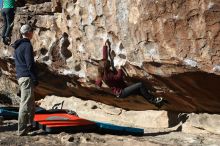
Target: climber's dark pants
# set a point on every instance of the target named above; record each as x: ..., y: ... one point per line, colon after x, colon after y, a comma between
x: 137, y: 88
x: 8, y: 18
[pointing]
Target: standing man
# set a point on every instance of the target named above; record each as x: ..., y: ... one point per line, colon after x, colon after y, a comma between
x: 27, y: 79
x: 8, y: 13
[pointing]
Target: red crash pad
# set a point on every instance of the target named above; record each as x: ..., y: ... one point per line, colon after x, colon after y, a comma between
x: 63, y: 122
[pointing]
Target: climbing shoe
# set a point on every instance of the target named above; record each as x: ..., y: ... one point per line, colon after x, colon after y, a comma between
x: 158, y: 102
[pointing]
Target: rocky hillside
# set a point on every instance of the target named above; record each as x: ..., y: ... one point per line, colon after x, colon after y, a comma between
x: 172, y: 46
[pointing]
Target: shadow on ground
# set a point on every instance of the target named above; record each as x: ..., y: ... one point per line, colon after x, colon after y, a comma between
x: 9, y: 127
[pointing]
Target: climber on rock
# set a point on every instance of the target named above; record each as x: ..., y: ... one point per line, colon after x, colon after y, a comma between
x: 114, y: 79
x: 8, y: 13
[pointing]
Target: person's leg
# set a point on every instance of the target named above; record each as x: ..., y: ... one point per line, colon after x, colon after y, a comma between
x: 10, y: 19
x: 22, y: 116
x: 145, y: 93
x: 157, y: 101
x: 139, y: 88
x: 31, y: 105
x: 25, y: 117
x: 132, y: 89
x: 4, y: 23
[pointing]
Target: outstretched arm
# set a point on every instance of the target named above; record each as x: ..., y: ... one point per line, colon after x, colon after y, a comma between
x: 110, y: 55
x: 105, y: 52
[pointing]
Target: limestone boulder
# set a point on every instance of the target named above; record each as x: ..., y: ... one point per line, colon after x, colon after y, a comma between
x: 200, y: 123
x: 97, y: 111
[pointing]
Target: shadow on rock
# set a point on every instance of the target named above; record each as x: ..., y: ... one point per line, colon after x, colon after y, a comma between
x: 159, y: 133
x: 5, y: 99
x: 175, y: 118
x: 9, y: 127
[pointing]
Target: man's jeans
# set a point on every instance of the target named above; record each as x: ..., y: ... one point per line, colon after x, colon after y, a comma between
x: 8, y: 17
x: 27, y: 104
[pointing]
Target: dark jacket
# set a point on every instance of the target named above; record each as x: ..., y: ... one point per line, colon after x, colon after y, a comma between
x: 24, y: 59
x: 113, y: 79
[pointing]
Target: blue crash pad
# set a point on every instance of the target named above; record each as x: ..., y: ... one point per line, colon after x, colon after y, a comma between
x: 6, y: 114
x: 9, y: 113
x: 115, y: 129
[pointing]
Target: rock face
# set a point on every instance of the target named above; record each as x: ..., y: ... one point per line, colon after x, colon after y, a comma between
x: 171, y: 46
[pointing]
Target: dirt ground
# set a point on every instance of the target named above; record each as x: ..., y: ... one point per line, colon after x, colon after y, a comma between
x: 152, y: 137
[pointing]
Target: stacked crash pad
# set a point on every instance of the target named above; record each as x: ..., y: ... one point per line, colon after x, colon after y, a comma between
x: 59, y: 120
